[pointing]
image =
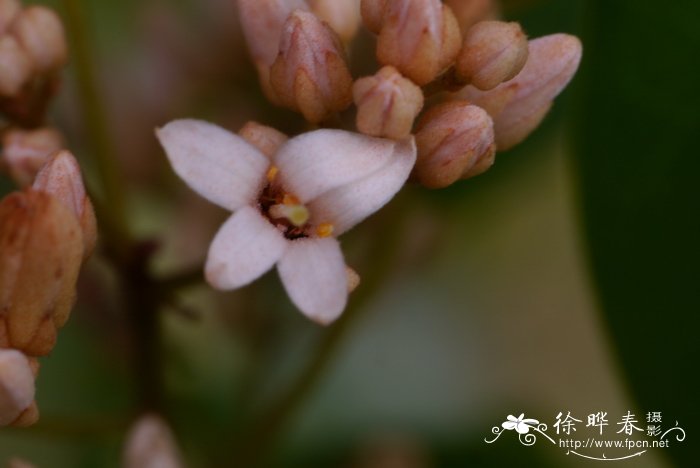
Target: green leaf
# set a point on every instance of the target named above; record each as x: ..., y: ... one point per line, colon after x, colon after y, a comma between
x: 638, y: 172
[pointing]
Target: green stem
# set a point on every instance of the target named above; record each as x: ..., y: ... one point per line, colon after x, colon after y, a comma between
x: 256, y: 444
x: 96, y: 128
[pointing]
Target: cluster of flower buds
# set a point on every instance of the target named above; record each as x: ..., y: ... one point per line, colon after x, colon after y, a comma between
x: 47, y: 231
x: 25, y: 151
x: 501, y: 83
x: 32, y: 48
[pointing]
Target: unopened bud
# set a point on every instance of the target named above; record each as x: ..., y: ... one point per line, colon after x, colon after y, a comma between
x: 61, y: 178
x: 150, y: 444
x: 41, y: 249
x: 493, y: 52
x: 455, y: 141
x: 40, y: 32
x: 470, y: 12
x: 372, y: 12
x: 15, y: 66
x: 387, y: 104
x: 8, y: 11
x: 16, y: 385
x: 262, y: 22
x: 519, y: 105
x: 25, y: 151
x: 353, y: 279
x: 343, y: 16
x: 420, y: 38
x: 310, y: 74
x: 267, y: 139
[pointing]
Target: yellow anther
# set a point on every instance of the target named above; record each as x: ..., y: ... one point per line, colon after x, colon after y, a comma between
x: 272, y: 173
x: 290, y: 200
x: 324, y: 230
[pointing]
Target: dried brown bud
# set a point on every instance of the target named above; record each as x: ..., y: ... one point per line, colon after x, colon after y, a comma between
x: 420, y: 38
x: 61, y: 178
x: 372, y: 12
x: 15, y: 66
x: 151, y: 444
x: 310, y: 74
x: 262, y: 22
x: 39, y: 31
x: 8, y: 11
x: 493, y: 52
x: 41, y: 249
x: 455, y: 141
x: 16, y: 385
x: 470, y: 12
x: 343, y: 16
x: 25, y: 151
x: 519, y: 105
x: 387, y: 104
x: 266, y: 139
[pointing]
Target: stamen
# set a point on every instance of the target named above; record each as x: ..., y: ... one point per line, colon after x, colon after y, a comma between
x: 272, y: 173
x: 297, y: 214
x: 290, y: 200
x: 324, y: 230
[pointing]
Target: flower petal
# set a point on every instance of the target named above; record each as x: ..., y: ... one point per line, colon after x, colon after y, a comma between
x: 313, y: 273
x: 316, y: 162
x: 349, y: 204
x: 522, y: 428
x: 245, y: 247
x: 509, y: 425
x: 218, y: 165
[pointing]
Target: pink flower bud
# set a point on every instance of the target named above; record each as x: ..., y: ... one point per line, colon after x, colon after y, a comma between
x: 470, y: 12
x: 40, y: 33
x: 343, y: 16
x: 455, y: 141
x: 267, y: 139
x: 262, y: 22
x: 310, y: 74
x: 150, y: 443
x: 16, y: 385
x: 420, y: 38
x: 61, y: 178
x: 8, y: 11
x: 15, y: 66
x: 372, y: 12
x: 25, y: 151
x: 41, y: 250
x: 493, y: 52
x: 387, y: 104
x: 519, y: 105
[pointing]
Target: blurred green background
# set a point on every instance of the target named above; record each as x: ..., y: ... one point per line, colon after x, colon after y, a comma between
x: 567, y: 278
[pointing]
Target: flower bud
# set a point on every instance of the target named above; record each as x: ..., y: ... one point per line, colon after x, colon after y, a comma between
x: 493, y: 52
x: 40, y: 33
x: 8, y: 11
x: 310, y: 74
x: 420, y: 38
x: 470, y: 12
x: 25, y: 151
x: 41, y: 249
x: 455, y: 141
x: 343, y: 16
x: 353, y: 279
x: 372, y: 12
x: 267, y: 139
x: 19, y: 463
x: 61, y: 178
x: 387, y: 104
x: 150, y: 444
x: 15, y: 66
x: 262, y: 22
x: 519, y: 105
x: 16, y: 385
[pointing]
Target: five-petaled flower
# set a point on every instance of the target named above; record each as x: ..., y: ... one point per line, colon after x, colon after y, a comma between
x: 522, y: 426
x: 288, y: 209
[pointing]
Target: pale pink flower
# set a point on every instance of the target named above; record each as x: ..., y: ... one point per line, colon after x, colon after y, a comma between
x: 288, y: 209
